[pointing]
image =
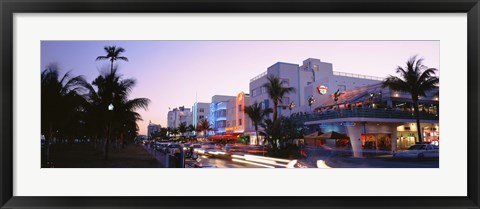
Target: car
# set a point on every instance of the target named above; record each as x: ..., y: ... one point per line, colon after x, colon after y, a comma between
x: 159, y: 146
x: 170, y: 148
x: 419, y: 151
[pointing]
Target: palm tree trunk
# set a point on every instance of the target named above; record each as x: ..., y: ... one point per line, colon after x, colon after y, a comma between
x: 417, y: 117
x: 106, y: 144
x: 111, y: 67
x: 275, y: 113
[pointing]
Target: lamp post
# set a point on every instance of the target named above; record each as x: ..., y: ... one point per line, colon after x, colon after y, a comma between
x: 311, y: 100
x: 110, y: 109
x: 291, y: 106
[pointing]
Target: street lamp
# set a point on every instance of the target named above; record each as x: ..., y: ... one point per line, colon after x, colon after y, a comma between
x: 311, y: 100
x: 110, y: 109
x: 291, y: 106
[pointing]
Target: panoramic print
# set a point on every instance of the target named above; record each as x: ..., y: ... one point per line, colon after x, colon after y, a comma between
x: 240, y: 104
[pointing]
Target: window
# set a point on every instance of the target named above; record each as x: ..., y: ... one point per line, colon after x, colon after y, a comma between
x: 201, y: 110
x: 263, y: 90
x: 239, y: 108
x: 239, y: 122
x: 254, y: 92
x: 285, y: 82
x: 201, y: 117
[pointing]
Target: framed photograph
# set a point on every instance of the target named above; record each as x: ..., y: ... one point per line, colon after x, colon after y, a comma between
x: 266, y: 104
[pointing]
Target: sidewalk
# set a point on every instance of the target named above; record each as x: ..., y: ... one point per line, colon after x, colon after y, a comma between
x: 160, y: 157
x: 85, y: 156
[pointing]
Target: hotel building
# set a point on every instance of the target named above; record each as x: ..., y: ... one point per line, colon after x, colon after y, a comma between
x: 200, y: 110
x: 179, y: 115
x: 304, y: 78
x: 376, y: 119
x: 227, y: 116
x: 152, y: 128
x: 219, y: 107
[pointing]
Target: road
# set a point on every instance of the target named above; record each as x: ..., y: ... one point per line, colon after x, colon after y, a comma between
x: 222, y: 163
x: 203, y: 160
x: 332, y: 161
x: 385, y: 161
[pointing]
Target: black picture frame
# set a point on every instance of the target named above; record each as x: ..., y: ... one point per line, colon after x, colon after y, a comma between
x: 10, y: 7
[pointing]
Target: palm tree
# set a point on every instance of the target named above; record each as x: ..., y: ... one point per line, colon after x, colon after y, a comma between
x: 415, y: 79
x: 272, y: 131
x: 182, y: 128
x: 276, y: 92
x: 121, y: 120
x: 256, y: 114
x: 126, y: 118
x: 113, y: 53
x: 191, y: 128
x: 175, y: 132
x: 59, y: 102
x: 204, y: 126
x: 163, y: 133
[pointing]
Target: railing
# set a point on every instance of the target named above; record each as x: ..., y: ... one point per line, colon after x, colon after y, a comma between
x: 258, y: 76
x: 362, y: 113
x: 358, y: 76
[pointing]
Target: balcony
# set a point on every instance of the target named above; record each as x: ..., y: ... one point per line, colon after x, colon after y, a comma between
x: 362, y: 113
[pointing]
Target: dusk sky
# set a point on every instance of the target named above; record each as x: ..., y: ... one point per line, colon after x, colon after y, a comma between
x: 172, y: 73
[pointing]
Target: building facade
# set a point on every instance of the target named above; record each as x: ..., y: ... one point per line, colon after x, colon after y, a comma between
x: 179, y: 115
x: 237, y: 121
x: 376, y: 119
x: 152, y: 129
x: 220, y: 106
x: 306, y: 79
x: 200, y: 110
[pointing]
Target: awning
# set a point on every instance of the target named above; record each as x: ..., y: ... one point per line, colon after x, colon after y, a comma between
x: 314, y: 135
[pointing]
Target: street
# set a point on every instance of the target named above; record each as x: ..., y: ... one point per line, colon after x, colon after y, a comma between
x: 330, y: 160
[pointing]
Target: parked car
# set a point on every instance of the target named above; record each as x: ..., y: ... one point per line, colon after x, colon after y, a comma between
x: 419, y: 151
x: 160, y: 146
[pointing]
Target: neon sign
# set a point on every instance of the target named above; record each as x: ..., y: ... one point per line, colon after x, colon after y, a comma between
x: 322, y: 89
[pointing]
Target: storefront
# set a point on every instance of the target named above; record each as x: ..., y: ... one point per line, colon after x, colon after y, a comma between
x: 431, y: 135
x: 405, y: 139
x: 376, y: 141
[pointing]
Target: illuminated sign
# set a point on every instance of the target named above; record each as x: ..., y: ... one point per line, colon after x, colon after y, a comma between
x: 322, y: 89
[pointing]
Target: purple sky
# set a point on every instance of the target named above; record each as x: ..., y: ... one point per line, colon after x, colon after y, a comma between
x: 171, y: 73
